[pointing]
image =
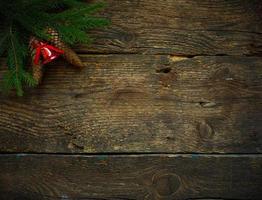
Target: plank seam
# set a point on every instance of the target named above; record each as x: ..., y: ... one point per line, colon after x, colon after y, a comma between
x: 83, y: 53
x: 142, y: 154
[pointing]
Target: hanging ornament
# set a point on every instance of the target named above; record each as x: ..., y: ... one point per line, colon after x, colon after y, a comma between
x: 46, y: 51
x: 69, y: 55
x: 41, y: 54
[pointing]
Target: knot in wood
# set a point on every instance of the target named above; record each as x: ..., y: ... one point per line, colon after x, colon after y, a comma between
x: 166, y: 185
x: 205, y: 130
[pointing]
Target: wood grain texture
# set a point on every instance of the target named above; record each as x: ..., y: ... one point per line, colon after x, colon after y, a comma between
x: 163, y: 177
x: 181, y: 27
x: 140, y: 103
x: 170, y: 76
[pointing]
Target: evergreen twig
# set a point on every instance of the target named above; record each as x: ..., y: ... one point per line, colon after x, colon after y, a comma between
x: 20, y: 19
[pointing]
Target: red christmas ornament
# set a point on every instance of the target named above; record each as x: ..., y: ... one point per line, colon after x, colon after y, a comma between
x: 45, y: 51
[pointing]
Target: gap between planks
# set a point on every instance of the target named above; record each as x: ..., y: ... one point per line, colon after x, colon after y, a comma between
x: 138, y: 154
x: 178, y: 56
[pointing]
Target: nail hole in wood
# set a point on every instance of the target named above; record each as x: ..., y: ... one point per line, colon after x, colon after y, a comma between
x: 164, y: 70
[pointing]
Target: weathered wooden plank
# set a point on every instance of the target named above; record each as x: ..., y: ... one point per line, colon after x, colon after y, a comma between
x: 164, y: 177
x: 137, y: 103
x: 186, y: 27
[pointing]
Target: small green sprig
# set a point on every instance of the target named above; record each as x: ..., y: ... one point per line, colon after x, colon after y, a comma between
x: 20, y: 19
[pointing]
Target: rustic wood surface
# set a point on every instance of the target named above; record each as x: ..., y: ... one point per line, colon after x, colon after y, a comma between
x: 176, y: 77
x: 147, y: 177
x: 137, y: 103
x: 181, y: 27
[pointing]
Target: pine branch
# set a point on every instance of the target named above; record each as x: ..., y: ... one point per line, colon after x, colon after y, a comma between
x: 20, y: 19
x: 3, y: 42
x: 18, y: 84
x: 16, y: 75
x: 77, y: 12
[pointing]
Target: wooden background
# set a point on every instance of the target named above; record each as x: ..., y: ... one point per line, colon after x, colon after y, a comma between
x: 169, y: 107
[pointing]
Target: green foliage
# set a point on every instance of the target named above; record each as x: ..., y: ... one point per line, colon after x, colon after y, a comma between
x: 19, y: 19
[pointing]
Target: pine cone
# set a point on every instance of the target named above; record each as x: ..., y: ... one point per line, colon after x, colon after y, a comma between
x: 69, y: 54
x: 37, y: 70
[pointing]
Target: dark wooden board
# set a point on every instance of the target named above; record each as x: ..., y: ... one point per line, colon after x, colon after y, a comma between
x: 140, y: 103
x: 186, y: 27
x: 133, y: 177
x: 168, y: 76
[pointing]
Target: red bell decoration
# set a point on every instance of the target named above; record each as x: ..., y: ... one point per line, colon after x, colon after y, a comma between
x: 50, y: 53
x: 45, y: 51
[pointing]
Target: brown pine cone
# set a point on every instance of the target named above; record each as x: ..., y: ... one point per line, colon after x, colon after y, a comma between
x: 69, y: 54
x: 37, y: 70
